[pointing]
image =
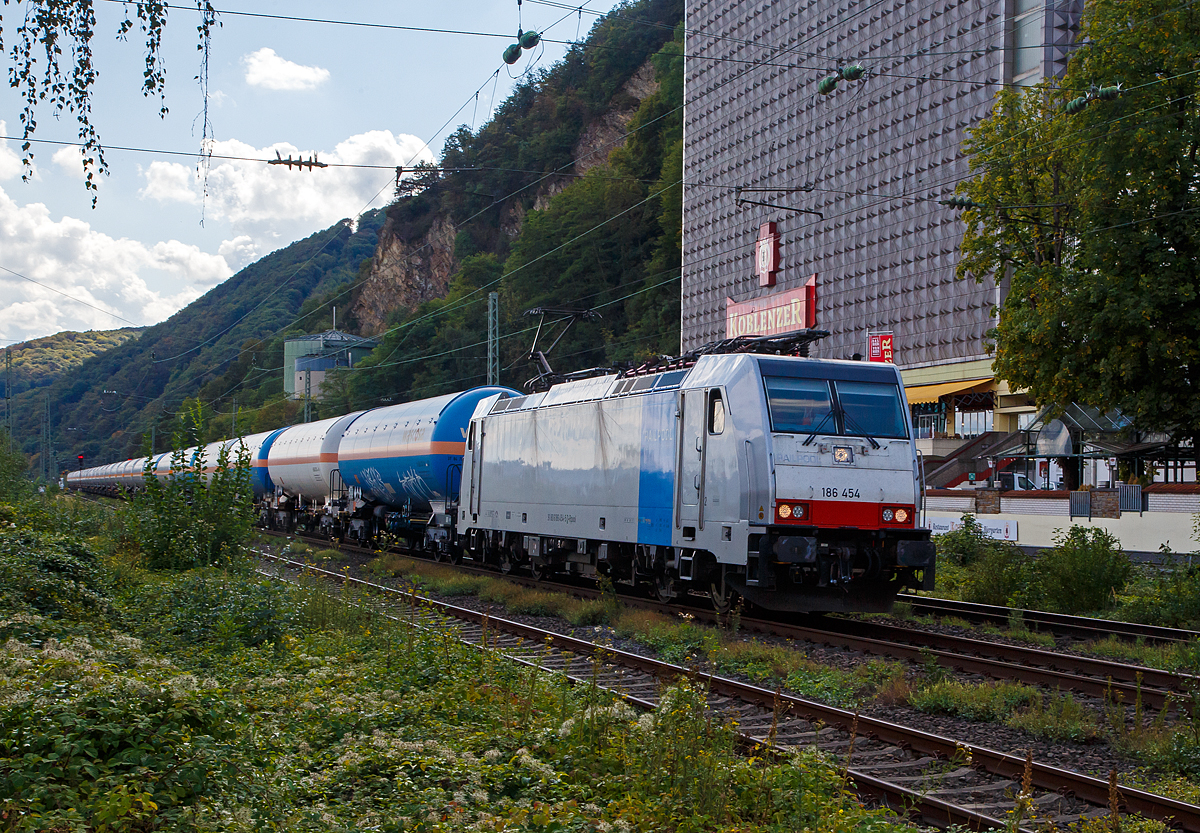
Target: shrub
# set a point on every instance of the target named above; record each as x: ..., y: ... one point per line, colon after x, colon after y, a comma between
x: 187, y: 519
x: 965, y: 545
x: 111, y: 759
x: 1081, y: 573
x: 978, y: 568
x: 49, y: 573
x: 218, y: 611
x: 1167, y: 595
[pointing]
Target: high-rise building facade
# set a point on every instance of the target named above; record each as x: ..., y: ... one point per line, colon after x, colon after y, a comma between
x: 819, y: 140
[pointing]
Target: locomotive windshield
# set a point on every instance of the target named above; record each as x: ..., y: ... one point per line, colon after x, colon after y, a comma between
x: 799, y: 406
x: 871, y: 409
x: 820, y: 406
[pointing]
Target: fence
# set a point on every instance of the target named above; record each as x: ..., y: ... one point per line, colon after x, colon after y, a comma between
x: 1131, y: 498
x: 1081, y: 505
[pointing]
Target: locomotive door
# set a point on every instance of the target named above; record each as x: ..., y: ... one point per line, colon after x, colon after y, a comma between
x: 475, y: 449
x: 692, y: 438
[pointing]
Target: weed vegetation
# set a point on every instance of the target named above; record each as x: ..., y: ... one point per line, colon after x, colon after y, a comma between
x: 1085, y: 572
x: 185, y: 518
x: 209, y: 699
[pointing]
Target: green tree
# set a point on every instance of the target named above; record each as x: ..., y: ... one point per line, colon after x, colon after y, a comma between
x: 1091, y: 217
x: 190, y: 517
x: 13, y: 483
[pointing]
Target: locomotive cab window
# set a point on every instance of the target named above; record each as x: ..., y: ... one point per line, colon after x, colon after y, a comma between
x: 871, y: 409
x: 716, y: 413
x: 799, y: 406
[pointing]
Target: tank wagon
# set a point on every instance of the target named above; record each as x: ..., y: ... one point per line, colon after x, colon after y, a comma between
x: 130, y: 474
x: 789, y: 481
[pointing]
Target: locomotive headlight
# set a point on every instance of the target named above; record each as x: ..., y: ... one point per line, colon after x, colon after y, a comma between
x: 785, y: 511
x: 798, y: 511
x: 901, y: 516
x: 888, y: 515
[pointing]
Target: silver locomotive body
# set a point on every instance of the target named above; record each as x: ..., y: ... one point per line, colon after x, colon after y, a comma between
x: 792, y: 482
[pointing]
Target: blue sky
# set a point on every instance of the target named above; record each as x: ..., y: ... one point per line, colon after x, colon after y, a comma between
x: 350, y: 93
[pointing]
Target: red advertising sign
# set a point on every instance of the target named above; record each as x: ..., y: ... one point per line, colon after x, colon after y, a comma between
x: 783, y: 312
x: 766, y: 254
x: 879, y: 347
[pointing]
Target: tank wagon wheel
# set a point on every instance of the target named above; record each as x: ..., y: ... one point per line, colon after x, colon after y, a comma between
x: 434, y: 551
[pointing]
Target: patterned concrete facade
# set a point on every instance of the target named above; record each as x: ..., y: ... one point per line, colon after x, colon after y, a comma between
x: 873, y: 158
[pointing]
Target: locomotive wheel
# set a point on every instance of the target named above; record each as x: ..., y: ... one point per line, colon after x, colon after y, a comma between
x: 664, y: 588
x: 506, y: 562
x: 539, y: 573
x: 721, y: 602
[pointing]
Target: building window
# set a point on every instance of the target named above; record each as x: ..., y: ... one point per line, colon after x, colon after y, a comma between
x: 972, y: 423
x: 930, y: 426
x: 1028, y: 39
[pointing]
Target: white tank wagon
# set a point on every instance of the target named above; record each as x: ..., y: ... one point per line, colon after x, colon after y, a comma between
x: 130, y: 474
x: 792, y: 482
x: 302, y: 464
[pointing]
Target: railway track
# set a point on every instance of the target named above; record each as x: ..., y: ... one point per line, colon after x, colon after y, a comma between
x: 1058, y: 623
x: 1093, y: 677
x: 939, y: 779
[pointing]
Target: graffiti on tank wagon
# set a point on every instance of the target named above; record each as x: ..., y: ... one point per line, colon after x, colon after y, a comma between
x: 414, y: 485
x: 375, y: 483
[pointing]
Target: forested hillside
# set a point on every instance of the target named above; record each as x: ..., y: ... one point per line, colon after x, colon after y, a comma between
x: 105, y: 407
x: 531, y: 226
x: 569, y: 197
x: 39, y: 362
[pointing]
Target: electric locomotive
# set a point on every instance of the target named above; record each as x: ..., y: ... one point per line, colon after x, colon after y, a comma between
x: 791, y: 482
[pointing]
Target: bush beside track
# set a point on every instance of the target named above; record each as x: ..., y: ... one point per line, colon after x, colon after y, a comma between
x: 1086, y: 572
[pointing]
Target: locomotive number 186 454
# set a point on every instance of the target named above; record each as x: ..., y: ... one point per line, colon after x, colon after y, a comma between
x: 833, y: 491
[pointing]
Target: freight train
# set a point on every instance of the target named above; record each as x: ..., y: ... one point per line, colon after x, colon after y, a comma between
x: 790, y: 482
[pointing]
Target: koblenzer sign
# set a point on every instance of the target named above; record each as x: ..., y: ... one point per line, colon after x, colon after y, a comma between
x: 782, y: 312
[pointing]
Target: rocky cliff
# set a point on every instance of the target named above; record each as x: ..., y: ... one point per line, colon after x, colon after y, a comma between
x: 407, y: 271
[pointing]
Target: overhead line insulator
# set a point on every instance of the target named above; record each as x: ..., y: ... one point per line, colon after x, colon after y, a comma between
x: 853, y: 72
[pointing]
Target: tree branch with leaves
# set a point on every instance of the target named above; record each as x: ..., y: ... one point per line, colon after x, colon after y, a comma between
x: 1092, y: 219
x: 51, y: 64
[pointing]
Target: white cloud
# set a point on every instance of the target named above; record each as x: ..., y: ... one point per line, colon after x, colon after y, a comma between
x: 70, y: 161
x: 266, y: 69
x: 268, y: 205
x: 169, y: 182
x: 239, y: 250
x: 10, y: 162
x: 104, y: 272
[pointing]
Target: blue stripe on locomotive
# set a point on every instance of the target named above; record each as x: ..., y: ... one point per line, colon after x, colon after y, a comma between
x: 656, y: 480
x: 260, y: 478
